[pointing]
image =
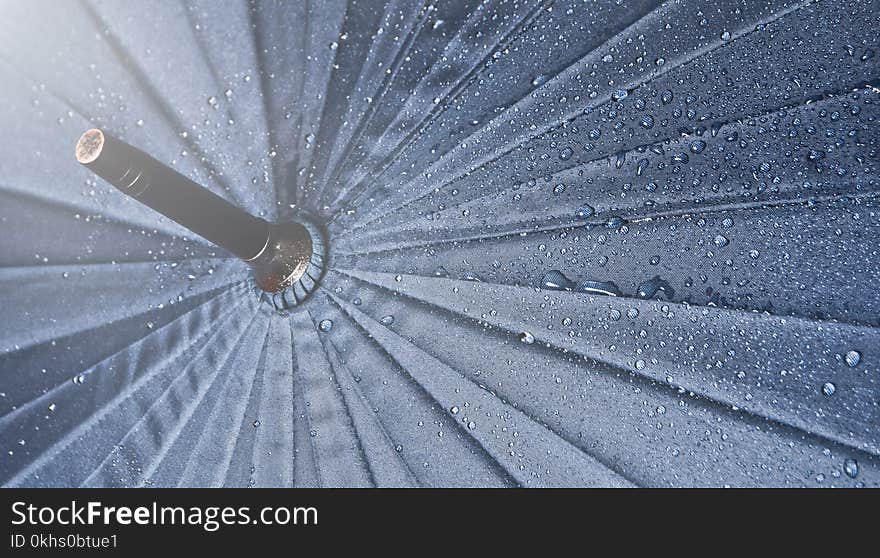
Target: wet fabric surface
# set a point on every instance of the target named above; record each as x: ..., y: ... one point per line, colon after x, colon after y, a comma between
x: 615, y: 243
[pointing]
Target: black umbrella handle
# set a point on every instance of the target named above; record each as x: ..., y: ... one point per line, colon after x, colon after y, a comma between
x: 279, y: 253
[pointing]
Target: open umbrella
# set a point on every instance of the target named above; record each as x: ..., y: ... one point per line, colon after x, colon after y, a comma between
x: 550, y: 243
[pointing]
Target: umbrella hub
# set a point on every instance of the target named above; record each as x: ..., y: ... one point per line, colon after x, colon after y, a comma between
x: 292, y: 279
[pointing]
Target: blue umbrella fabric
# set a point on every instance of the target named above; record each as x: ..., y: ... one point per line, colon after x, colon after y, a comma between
x: 607, y: 243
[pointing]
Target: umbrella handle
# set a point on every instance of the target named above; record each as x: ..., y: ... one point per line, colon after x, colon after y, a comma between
x: 279, y: 253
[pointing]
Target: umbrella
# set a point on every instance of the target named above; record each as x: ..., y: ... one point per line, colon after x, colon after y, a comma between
x: 553, y: 243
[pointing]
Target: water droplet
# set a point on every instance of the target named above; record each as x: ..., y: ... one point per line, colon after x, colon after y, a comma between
x: 256, y: 424
x: 585, y: 212
x: 654, y: 285
x: 614, y: 223
x: 554, y: 280
x: 387, y: 320
x: 852, y: 358
x: 325, y: 325
x: 721, y: 241
x: 647, y: 121
x: 620, y: 95
x: 526, y: 338
x: 828, y: 389
x: 851, y: 468
x: 566, y: 153
x: 605, y: 288
x: 454, y: 410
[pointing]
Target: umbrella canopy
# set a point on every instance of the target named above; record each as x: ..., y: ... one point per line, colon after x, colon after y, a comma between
x: 568, y: 243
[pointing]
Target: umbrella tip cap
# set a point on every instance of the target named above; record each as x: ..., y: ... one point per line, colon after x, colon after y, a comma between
x: 89, y: 146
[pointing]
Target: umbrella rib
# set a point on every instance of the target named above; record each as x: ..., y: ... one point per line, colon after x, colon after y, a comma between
x: 366, y: 423
x: 260, y: 51
x: 338, y: 405
x: 218, y: 78
x: 34, y: 195
x: 66, y: 265
x: 374, y: 370
x: 26, y: 76
x: 192, y: 24
x: 653, y: 11
x: 47, y: 393
x: 274, y: 446
x: 99, y: 413
x: 495, y: 462
x: 301, y: 404
x: 297, y: 185
x: 222, y: 477
x: 355, y: 273
x: 826, y: 435
x: 387, y: 340
x: 55, y: 204
x: 206, y: 456
x: 722, y: 205
x: 69, y: 326
x: 337, y: 163
x: 332, y: 437
x: 316, y: 124
x: 333, y: 379
x: 193, y: 471
x: 600, y: 101
x: 360, y: 187
x: 350, y: 387
x: 709, y: 410
x: 596, y: 164
x: 316, y: 189
x: 169, y: 437
x: 143, y: 80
